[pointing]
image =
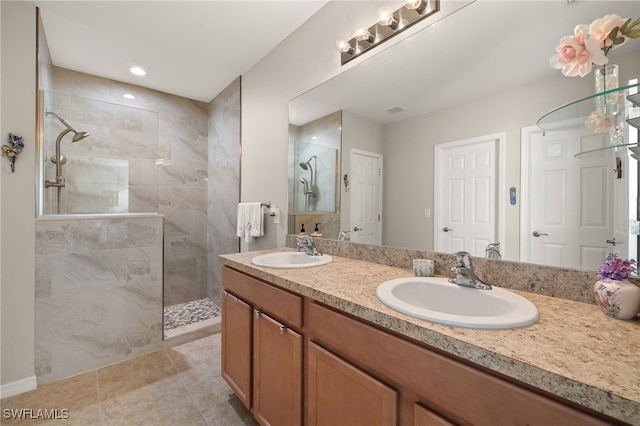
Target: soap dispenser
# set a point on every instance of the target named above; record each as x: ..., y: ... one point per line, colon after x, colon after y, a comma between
x: 302, y: 231
x: 316, y: 231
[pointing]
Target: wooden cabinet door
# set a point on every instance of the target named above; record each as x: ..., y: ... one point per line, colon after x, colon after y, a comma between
x: 277, y: 373
x: 422, y: 416
x: 340, y: 394
x: 236, y: 346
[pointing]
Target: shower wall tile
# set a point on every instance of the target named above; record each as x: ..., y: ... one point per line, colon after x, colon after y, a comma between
x: 224, y: 182
x: 96, y: 170
x: 184, y: 247
x: 184, y: 174
x: 154, y: 126
x: 133, y: 233
x: 183, y: 276
x: 189, y: 150
x: 98, y: 294
x: 125, y: 143
x: 144, y: 198
x: 183, y: 198
x: 142, y: 171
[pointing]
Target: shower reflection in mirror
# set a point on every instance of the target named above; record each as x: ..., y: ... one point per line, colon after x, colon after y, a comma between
x: 314, y: 174
x: 316, y: 177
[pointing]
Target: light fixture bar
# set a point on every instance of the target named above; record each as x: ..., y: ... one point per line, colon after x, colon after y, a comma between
x: 389, y: 24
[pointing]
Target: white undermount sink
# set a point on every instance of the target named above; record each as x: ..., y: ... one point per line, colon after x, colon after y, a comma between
x: 290, y: 260
x: 437, y: 300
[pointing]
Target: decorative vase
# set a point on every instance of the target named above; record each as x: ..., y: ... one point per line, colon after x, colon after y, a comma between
x: 606, y: 79
x: 617, y: 299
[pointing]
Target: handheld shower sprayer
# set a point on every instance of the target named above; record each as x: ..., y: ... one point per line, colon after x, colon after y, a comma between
x: 305, y: 184
x: 58, y: 159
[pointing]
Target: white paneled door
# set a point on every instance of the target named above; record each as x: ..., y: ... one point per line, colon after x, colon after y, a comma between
x: 466, y: 202
x: 568, y: 219
x: 366, y: 196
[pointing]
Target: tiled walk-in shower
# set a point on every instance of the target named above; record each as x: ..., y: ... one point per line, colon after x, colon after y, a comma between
x: 189, y: 316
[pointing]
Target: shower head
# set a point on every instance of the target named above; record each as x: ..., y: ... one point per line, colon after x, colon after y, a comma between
x: 76, y: 135
x: 58, y: 159
x: 79, y: 136
x: 307, y: 165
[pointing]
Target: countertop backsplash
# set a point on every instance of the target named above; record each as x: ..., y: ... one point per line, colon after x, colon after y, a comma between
x: 570, y: 284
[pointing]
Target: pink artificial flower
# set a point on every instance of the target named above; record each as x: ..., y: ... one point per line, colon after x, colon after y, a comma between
x: 600, y: 29
x: 577, y: 53
x: 600, y: 123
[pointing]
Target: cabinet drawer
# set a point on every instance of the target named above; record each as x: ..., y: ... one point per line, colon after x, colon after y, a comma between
x: 285, y: 306
x: 475, y: 396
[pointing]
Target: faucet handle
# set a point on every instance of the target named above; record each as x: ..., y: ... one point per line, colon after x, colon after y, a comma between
x: 463, y: 259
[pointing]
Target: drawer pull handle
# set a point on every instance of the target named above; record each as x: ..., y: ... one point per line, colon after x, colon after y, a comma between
x: 257, y: 313
x: 282, y: 329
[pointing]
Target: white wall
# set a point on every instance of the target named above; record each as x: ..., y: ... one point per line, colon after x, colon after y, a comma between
x: 302, y: 61
x: 17, y: 196
x: 358, y: 133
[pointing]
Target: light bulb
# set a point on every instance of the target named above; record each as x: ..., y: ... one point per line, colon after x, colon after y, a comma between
x: 418, y: 5
x: 362, y: 33
x: 343, y: 46
x: 386, y: 18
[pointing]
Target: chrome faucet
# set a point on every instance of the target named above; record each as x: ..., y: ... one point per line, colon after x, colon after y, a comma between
x: 342, y: 236
x: 492, y: 251
x: 464, y: 273
x: 304, y: 242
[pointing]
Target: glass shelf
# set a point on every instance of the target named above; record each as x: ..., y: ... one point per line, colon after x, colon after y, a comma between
x: 572, y: 116
x: 604, y: 148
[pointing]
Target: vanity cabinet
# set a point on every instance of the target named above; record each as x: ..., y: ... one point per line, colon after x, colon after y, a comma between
x: 358, y: 373
x: 236, y: 346
x: 261, y: 353
x: 435, y: 389
x: 277, y: 372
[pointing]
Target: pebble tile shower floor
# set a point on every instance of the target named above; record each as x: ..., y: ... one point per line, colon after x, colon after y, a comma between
x: 193, y: 312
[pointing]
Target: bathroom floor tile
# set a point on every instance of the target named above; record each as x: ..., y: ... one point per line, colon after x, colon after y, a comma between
x: 179, y: 385
x: 75, y: 397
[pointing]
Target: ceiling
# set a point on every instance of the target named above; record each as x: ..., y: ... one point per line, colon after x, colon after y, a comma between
x: 192, y: 49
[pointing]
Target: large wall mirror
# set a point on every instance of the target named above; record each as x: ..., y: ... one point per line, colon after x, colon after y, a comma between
x: 471, y: 88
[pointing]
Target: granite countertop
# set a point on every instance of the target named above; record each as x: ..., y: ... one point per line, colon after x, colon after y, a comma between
x: 574, y: 351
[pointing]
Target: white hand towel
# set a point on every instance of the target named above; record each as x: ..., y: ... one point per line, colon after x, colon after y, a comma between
x: 240, y: 220
x: 250, y: 221
x: 256, y: 218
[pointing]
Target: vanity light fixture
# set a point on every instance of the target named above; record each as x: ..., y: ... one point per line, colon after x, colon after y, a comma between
x: 389, y: 23
x: 420, y: 6
x: 128, y: 96
x: 362, y: 34
x: 137, y: 71
x: 386, y: 18
x: 343, y: 45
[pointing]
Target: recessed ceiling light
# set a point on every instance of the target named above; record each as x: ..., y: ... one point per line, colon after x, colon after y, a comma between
x: 128, y: 96
x: 137, y: 71
x: 395, y: 109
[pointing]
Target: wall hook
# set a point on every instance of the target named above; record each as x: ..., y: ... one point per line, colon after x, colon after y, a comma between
x: 12, y: 150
